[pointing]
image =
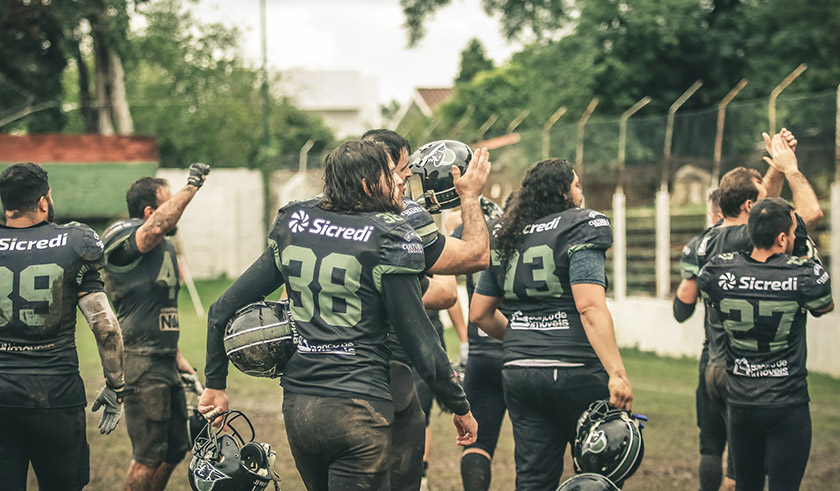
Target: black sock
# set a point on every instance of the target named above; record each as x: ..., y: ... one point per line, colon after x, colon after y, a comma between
x: 475, y: 472
x: 711, y: 472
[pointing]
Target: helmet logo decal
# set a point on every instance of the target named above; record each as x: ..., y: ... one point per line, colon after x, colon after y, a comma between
x: 440, y: 155
x: 299, y: 221
x: 726, y: 281
x: 595, y: 443
x: 206, y: 476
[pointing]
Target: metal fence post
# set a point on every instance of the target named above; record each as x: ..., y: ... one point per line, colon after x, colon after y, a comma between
x: 580, y: 131
x: 517, y: 121
x: 719, y: 133
x: 486, y: 126
x: 546, y: 132
x: 778, y: 90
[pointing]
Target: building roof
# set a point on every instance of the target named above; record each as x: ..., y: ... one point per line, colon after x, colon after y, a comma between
x: 428, y: 98
x: 60, y: 147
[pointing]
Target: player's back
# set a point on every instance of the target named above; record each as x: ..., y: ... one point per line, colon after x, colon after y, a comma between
x: 544, y: 321
x: 332, y: 264
x: 42, y: 270
x: 763, y: 311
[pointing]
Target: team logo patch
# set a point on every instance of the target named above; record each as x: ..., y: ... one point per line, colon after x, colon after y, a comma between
x: 595, y: 443
x: 726, y: 281
x: 299, y: 221
x: 207, y: 475
x: 440, y: 155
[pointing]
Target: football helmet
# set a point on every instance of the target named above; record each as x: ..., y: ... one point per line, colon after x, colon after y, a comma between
x: 432, y: 163
x: 588, y: 481
x: 229, y: 462
x: 608, y: 442
x: 260, y: 338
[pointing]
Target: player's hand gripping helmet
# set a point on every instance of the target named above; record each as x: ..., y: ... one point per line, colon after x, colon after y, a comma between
x: 588, y: 481
x: 260, y: 338
x: 433, y: 164
x: 229, y: 462
x: 608, y: 442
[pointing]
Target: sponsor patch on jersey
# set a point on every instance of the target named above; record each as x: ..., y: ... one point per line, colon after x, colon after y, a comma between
x: 744, y: 368
x: 727, y: 281
x: 13, y: 244
x: 168, y: 320
x: 557, y: 320
x: 599, y: 222
x: 542, y: 227
x: 701, y: 249
x: 4, y: 346
x: 304, y: 347
x: 823, y: 274
x: 686, y: 250
x: 412, y: 209
x: 300, y: 222
x: 409, y: 236
x: 412, y: 247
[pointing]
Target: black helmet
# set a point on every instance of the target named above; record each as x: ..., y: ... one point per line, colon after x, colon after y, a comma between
x: 260, y: 338
x: 229, y: 462
x: 608, y: 442
x: 433, y: 164
x: 588, y: 481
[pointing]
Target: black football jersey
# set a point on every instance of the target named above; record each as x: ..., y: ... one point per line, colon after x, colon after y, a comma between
x: 480, y: 342
x: 43, y: 269
x: 144, y: 292
x: 332, y: 265
x: 544, y: 322
x: 688, y: 259
x: 424, y: 224
x: 763, y: 308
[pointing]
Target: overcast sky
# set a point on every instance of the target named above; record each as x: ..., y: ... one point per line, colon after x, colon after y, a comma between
x: 362, y: 35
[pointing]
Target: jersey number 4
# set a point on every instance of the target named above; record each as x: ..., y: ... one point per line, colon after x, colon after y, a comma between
x: 36, y: 283
x: 339, y: 276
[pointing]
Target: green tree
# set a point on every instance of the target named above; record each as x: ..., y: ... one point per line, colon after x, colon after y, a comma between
x: 473, y: 60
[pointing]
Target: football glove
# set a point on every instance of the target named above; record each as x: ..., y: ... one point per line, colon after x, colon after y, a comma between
x: 198, y: 172
x: 191, y: 383
x: 111, y: 401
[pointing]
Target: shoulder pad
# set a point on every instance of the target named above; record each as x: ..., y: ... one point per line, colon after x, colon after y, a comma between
x: 589, y: 229
x: 86, y: 242
x: 121, y: 229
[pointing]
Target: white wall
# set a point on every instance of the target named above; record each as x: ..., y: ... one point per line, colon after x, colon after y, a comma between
x: 649, y: 325
x: 221, y: 230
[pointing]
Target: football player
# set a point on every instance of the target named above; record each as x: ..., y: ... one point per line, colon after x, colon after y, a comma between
x: 350, y: 265
x: 761, y: 299
x: 545, y: 295
x: 142, y: 278
x: 709, y: 420
x: 46, y: 270
x: 740, y: 189
x: 481, y: 357
x: 442, y: 256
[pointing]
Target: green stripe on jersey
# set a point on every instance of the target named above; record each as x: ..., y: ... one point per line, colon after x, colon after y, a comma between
x: 383, y: 269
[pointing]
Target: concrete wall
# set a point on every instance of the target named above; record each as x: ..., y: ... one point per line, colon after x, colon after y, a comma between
x: 649, y: 325
x: 221, y: 232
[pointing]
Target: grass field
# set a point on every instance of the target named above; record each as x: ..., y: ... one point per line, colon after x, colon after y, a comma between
x: 663, y: 390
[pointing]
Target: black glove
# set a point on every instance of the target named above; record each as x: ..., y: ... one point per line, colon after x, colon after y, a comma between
x: 191, y: 383
x: 198, y: 172
x: 111, y: 400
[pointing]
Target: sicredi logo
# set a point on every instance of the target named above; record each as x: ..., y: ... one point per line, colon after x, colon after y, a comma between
x: 727, y: 281
x: 299, y: 221
x: 13, y: 244
x: 541, y: 227
x: 320, y: 226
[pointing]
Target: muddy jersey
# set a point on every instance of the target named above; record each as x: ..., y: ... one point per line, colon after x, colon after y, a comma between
x: 480, y: 342
x: 144, y: 290
x: 43, y: 269
x: 544, y: 322
x: 717, y: 240
x: 763, y: 308
x: 332, y: 265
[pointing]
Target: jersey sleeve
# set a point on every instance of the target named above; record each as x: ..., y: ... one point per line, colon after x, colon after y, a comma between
x: 121, y: 252
x: 814, y: 286
x: 590, y: 230
x: 705, y: 281
x: 424, y: 224
x: 91, y: 250
x: 401, y: 252
x: 689, y: 267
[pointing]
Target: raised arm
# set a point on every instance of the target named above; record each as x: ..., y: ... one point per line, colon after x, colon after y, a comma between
x: 804, y: 199
x: 166, y: 216
x: 774, y: 179
x: 471, y: 253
